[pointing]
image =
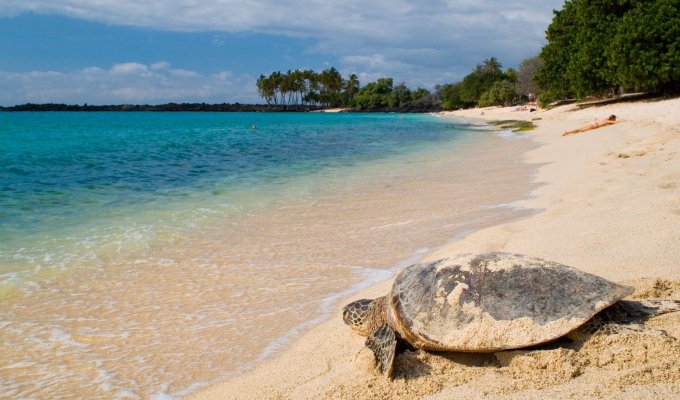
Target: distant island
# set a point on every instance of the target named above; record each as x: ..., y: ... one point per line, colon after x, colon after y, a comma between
x: 204, y: 107
x: 169, y: 107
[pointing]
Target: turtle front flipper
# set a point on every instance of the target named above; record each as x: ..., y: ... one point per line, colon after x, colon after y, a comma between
x: 383, y: 342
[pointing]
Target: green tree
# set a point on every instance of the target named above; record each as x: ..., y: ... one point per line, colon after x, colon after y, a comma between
x: 595, y: 22
x: 331, y: 84
x: 645, y: 51
x: 399, y: 97
x: 311, y: 94
x: 265, y: 89
x: 374, y: 95
x: 480, y: 80
x: 275, y: 80
x: 552, y: 76
x: 596, y: 46
x: 352, y: 87
x: 287, y: 87
x: 450, y: 96
x: 500, y: 93
x: 419, y: 95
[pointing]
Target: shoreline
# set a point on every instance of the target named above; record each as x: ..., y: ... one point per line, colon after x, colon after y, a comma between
x: 232, y: 294
x: 590, y: 190
x: 375, y: 277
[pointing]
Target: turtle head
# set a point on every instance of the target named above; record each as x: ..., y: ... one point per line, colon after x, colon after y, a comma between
x: 365, y: 315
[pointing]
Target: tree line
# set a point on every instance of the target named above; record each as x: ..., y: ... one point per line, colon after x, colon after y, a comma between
x: 594, y: 48
x: 383, y: 94
x: 306, y: 87
x: 329, y: 89
x: 488, y: 85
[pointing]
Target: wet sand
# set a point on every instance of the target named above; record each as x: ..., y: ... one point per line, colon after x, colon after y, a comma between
x: 607, y: 201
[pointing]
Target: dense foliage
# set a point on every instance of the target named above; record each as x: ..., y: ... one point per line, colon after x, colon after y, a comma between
x: 597, y: 47
x: 644, y: 53
x: 382, y: 94
x: 486, y: 85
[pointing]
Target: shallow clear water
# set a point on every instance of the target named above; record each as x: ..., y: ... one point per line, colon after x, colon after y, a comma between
x: 68, y: 172
x: 62, y: 168
x: 145, y: 253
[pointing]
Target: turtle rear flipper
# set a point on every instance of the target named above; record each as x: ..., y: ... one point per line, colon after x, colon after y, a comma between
x: 648, y: 307
x: 626, y: 316
x: 636, y: 311
x: 383, y: 343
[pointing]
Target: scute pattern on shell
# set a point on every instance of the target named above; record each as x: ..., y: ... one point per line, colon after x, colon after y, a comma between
x: 495, y: 301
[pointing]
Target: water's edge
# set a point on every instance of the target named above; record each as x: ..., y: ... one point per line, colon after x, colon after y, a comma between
x: 226, y: 278
x: 335, y: 301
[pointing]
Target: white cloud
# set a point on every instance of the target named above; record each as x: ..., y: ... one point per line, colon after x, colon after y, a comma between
x: 125, y: 83
x: 160, y: 65
x: 130, y: 68
x: 421, y: 42
x: 395, y: 23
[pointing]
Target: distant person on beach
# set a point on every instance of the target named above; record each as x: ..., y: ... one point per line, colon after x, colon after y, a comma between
x: 592, y: 125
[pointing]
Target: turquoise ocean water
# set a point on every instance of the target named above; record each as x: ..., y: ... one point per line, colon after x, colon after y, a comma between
x: 61, y: 168
x: 85, y: 180
x: 148, y: 254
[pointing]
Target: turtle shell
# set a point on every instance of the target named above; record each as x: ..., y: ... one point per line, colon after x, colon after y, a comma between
x: 494, y: 301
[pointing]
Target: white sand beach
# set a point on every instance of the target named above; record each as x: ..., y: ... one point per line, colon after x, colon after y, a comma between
x: 607, y: 201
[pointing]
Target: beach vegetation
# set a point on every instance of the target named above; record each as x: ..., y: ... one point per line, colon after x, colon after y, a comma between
x: 374, y: 95
x: 502, y: 92
x: 480, y: 80
x: 307, y: 87
x: 329, y: 89
x: 605, y: 47
x: 486, y: 85
x: 644, y: 53
x: 399, y: 97
x: 420, y: 95
x: 384, y: 95
x: 352, y: 87
x: 450, y: 96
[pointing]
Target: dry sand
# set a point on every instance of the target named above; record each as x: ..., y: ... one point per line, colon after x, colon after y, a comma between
x: 609, y: 202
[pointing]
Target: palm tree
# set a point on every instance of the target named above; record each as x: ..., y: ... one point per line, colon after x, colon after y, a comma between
x: 331, y: 85
x: 352, y: 86
x: 311, y: 86
x: 266, y: 89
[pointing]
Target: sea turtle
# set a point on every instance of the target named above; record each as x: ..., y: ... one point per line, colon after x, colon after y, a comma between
x: 487, y: 303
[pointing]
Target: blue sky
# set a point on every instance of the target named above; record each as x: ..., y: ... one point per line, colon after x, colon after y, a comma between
x: 149, y: 51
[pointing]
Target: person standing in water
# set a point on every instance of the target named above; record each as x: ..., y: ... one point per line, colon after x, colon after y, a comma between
x: 592, y: 125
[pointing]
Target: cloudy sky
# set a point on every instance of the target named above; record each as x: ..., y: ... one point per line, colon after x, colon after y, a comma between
x: 157, y: 51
